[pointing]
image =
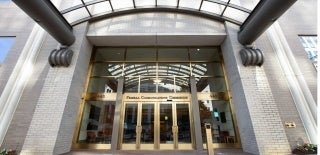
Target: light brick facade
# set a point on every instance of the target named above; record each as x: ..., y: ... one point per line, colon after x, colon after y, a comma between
x: 45, y: 118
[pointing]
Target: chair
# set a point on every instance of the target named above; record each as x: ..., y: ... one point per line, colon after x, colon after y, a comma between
x: 223, y: 136
x: 91, y: 136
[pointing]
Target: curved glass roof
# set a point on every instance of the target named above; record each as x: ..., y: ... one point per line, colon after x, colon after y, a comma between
x: 235, y: 11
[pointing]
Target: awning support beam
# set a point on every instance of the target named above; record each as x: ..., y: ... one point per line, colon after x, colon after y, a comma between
x: 49, y: 18
x: 263, y: 15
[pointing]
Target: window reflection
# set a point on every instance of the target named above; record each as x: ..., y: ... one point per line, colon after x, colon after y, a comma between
x: 183, y: 84
x: 131, y: 84
x: 218, y: 114
x: 166, y: 84
x: 210, y: 84
x: 154, y: 76
x: 148, y: 84
x: 310, y: 45
x: 137, y: 69
x: 130, y: 123
x: 169, y: 69
x: 157, y: 75
x: 207, y: 69
x: 107, y: 69
x: 5, y: 45
x: 109, y: 54
x: 141, y: 54
x: 204, y: 54
x: 102, y: 85
x: 97, y: 122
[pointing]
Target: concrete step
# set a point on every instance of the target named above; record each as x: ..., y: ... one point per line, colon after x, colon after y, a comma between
x: 157, y: 152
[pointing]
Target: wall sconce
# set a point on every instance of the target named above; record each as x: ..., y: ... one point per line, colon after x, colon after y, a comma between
x: 251, y: 57
x: 60, y: 57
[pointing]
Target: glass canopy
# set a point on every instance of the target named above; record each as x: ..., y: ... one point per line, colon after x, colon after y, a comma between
x: 235, y: 11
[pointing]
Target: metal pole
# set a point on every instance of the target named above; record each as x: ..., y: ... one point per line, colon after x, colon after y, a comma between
x: 263, y: 15
x: 49, y: 18
x: 209, y: 138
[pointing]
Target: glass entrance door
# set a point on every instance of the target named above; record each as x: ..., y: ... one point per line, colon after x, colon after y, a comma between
x: 174, y: 122
x: 164, y: 125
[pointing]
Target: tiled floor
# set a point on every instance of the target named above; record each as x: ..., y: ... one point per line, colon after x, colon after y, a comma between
x: 158, y: 152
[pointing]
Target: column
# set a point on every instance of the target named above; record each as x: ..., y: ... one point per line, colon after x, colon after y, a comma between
x: 259, y: 123
x: 196, y: 114
x: 53, y: 122
x: 117, y: 114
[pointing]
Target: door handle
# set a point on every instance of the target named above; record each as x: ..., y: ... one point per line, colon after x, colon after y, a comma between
x: 175, y: 129
x: 138, y: 129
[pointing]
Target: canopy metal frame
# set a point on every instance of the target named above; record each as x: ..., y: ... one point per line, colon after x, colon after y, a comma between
x: 157, y: 8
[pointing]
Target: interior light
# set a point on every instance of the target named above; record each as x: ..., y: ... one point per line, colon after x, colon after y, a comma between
x: 156, y: 81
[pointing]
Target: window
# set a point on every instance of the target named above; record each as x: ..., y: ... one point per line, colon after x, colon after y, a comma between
x: 5, y: 45
x: 310, y: 45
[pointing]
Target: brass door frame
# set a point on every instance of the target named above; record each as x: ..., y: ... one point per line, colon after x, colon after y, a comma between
x: 175, y: 128
x: 156, y: 144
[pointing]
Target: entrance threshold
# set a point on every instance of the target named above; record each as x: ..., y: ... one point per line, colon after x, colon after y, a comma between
x: 157, y: 152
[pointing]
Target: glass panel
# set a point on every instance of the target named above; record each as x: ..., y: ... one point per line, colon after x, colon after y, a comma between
x: 204, y: 54
x: 5, y: 45
x: 246, y: 4
x: 195, y: 4
x: 199, y: 69
x: 148, y: 69
x: 76, y: 15
x: 107, y: 69
x: 141, y: 54
x: 183, y: 122
x: 168, y: 2
x: 99, y: 8
x: 103, y: 85
x: 218, y: 114
x: 173, y: 54
x: 207, y: 69
x: 97, y: 122
x: 166, y: 134
x: 131, y: 84
x: 145, y: 2
x: 66, y: 4
x: 130, y: 123
x: 117, y: 4
x: 182, y: 84
x: 147, y: 123
x: 109, y: 54
x: 205, y: 84
x: 212, y: 7
x: 182, y: 69
x: 166, y: 84
x: 236, y: 14
x: 310, y: 46
x: 148, y: 84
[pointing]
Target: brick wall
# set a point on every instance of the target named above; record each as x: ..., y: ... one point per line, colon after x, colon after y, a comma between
x: 52, y: 126
x: 258, y: 118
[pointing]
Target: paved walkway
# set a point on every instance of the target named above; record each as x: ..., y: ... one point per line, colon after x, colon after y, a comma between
x: 158, y: 152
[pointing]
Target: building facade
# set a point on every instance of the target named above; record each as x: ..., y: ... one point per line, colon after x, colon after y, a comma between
x: 149, y: 75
